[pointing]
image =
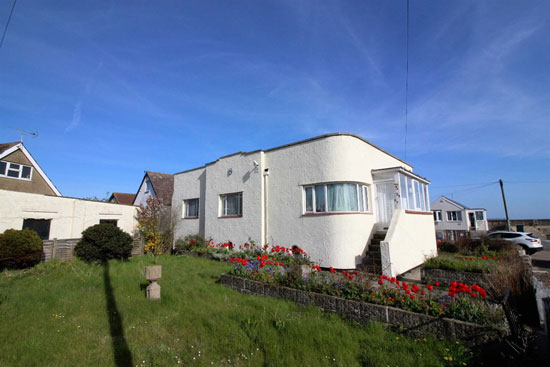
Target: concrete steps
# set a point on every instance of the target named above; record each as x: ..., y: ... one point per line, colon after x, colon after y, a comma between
x: 372, y: 262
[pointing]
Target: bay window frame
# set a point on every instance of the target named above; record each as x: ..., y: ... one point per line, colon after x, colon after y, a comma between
x: 362, y: 194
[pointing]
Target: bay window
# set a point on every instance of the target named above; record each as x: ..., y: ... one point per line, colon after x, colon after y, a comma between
x: 336, y: 197
x: 413, y: 194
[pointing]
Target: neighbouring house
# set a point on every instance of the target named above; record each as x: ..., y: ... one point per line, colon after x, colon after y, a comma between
x: 337, y: 196
x: 454, y: 220
x: 30, y: 200
x: 60, y: 217
x: 155, y: 184
x: 122, y: 198
x: 20, y: 172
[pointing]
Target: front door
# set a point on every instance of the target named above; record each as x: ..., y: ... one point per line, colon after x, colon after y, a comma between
x: 472, y: 217
x: 384, y: 203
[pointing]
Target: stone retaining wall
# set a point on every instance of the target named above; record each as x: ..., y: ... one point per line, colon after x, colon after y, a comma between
x: 446, y: 276
x: 409, y: 322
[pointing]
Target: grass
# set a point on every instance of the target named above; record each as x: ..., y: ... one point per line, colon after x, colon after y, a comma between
x: 75, y: 314
x: 460, y: 262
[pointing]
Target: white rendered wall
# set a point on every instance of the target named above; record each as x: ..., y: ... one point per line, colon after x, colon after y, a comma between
x: 244, y: 178
x: 188, y: 185
x: 409, y: 242
x: 69, y: 216
x: 337, y: 240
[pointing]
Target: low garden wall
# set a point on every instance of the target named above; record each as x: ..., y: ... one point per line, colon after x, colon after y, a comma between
x: 445, y: 277
x: 409, y: 322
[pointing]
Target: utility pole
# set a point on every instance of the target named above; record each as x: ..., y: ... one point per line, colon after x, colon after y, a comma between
x: 505, y: 207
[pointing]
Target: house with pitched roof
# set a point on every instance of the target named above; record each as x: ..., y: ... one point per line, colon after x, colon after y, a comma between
x: 19, y: 171
x: 157, y: 185
x: 122, y: 198
x: 454, y: 220
x: 346, y: 202
x: 30, y: 200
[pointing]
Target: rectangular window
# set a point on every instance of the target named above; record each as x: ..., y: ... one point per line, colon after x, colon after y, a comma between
x: 15, y: 170
x: 232, y: 204
x: 109, y: 221
x: 336, y: 197
x: 40, y: 226
x: 191, y: 208
x: 479, y: 215
x: 414, y: 194
x: 454, y: 216
x: 437, y: 215
x: 403, y: 184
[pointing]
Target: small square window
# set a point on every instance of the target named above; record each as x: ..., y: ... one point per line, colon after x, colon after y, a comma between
x: 191, y: 208
x: 232, y: 204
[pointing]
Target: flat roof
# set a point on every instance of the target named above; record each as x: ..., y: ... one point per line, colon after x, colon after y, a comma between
x: 297, y: 143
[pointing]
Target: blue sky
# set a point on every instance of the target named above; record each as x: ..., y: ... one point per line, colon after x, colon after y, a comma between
x: 118, y: 87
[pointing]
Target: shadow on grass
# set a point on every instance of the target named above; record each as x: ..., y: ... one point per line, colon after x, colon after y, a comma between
x: 123, y: 357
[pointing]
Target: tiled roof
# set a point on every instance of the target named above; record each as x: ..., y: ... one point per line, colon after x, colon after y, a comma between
x: 6, y: 146
x: 163, y: 184
x: 124, y: 198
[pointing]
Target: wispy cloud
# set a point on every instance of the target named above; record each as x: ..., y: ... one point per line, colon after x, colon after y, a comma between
x: 77, y: 115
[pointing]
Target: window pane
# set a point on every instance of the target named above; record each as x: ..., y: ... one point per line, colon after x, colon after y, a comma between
x: 366, y: 196
x: 417, y: 192
x: 13, y: 173
x: 403, y: 184
x: 309, y: 199
x: 320, y: 199
x: 192, y: 208
x: 233, y: 203
x: 426, y: 197
x: 479, y: 215
x: 26, y: 172
x: 3, y: 168
x: 458, y: 216
x: 410, y: 194
x: 342, y: 198
x: 361, y: 208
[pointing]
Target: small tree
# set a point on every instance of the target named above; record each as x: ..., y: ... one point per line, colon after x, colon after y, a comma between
x: 155, y: 227
x: 104, y: 242
x: 20, y: 248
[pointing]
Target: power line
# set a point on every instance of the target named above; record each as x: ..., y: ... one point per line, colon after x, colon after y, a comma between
x: 407, y: 84
x: 7, y: 24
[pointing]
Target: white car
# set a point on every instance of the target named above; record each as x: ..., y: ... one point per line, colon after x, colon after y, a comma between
x: 528, y: 241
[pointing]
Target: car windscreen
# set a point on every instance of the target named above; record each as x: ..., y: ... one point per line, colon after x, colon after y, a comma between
x: 531, y: 235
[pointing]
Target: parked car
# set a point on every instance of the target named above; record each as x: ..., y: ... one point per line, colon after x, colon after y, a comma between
x: 528, y: 241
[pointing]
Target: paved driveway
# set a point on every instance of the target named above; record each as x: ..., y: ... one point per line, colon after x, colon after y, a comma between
x: 542, y: 258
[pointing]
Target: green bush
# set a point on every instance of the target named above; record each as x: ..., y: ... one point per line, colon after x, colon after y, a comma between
x: 189, y: 243
x: 20, y: 249
x: 103, y: 242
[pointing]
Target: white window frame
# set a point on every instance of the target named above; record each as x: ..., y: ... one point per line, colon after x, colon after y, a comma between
x: 223, y: 205
x: 19, y: 171
x: 185, y: 212
x: 363, y: 198
x: 482, y: 215
x: 417, y: 195
x: 438, y: 215
x: 450, y: 216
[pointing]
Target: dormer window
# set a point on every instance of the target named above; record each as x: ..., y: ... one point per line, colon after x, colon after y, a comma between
x: 15, y: 170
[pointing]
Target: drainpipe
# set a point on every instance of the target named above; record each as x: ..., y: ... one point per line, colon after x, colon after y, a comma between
x: 266, y: 202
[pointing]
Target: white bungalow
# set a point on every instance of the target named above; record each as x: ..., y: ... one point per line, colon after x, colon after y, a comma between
x: 329, y: 195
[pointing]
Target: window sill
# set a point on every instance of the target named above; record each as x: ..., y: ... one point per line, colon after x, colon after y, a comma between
x: 419, y: 212
x: 229, y: 216
x: 334, y: 213
x: 16, y: 178
x: 190, y: 218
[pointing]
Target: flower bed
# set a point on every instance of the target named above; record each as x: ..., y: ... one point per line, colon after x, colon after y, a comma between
x: 457, y: 262
x: 459, y: 300
x: 411, y: 322
x: 445, y: 277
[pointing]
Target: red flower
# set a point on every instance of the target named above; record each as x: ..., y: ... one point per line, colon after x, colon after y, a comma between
x: 423, y: 293
x: 412, y: 296
x: 430, y: 287
x: 380, y: 281
x: 473, y: 294
x: 436, y: 284
x: 245, y: 262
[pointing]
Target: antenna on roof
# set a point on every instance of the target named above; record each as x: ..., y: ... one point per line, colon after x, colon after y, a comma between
x: 23, y: 133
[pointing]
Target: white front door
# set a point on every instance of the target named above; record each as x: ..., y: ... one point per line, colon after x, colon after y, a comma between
x: 384, y: 203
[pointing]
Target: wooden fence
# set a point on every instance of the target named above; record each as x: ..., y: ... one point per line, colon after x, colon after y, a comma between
x: 64, y: 249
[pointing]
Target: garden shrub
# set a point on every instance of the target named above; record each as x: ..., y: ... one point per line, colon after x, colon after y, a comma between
x: 189, y: 243
x: 103, y: 242
x: 20, y: 248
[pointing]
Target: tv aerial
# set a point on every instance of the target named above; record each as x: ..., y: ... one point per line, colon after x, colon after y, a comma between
x: 23, y: 133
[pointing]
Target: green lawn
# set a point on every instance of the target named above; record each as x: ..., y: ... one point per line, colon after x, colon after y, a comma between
x: 75, y: 314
